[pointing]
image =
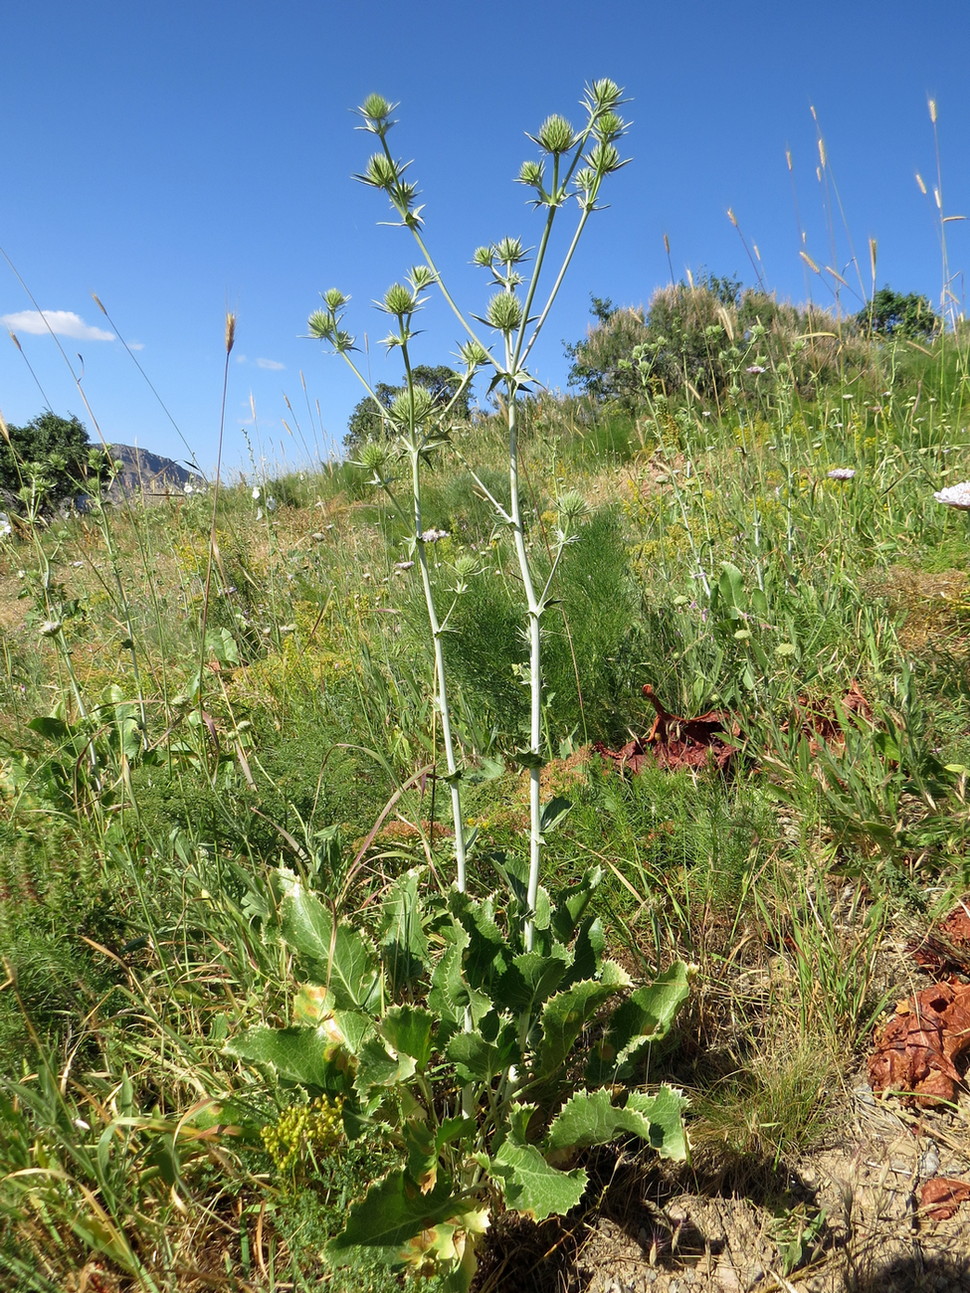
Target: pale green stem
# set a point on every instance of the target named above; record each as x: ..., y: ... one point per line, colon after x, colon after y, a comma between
x: 441, y: 680
x: 558, y: 283
x: 534, y: 613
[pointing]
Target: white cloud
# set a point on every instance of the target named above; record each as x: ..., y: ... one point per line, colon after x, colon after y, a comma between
x: 271, y: 364
x: 65, y: 323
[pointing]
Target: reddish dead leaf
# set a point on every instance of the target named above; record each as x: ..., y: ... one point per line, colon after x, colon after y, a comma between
x: 917, y: 1053
x: 946, y: 949
x: 677, y: 742
x: 820, y: 720
x: 941, y: 1196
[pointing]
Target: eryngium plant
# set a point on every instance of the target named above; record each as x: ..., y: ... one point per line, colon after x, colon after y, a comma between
x: 570, y: 169
x: 485, y: 1041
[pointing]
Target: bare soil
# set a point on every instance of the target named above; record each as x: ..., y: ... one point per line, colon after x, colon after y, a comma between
x: 845, y: 1219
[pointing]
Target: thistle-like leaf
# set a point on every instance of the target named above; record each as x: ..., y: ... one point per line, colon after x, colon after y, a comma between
x: 590, y: 1118
x: 307, y: 1056
x: 565, y: 1015
x: 340, y: 955
x: 532, y: 1186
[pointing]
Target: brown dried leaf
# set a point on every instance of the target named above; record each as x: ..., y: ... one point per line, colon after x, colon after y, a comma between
x: 941, y: 1196
x: 916, y: 1054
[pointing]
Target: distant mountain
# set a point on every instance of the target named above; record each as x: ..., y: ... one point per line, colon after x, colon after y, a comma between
x: 146, y: 474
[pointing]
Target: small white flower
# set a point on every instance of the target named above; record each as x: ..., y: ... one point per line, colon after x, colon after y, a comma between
x: 755, y: 368
x: 955, y: 495
x: 432, y: 536
x: 841, y: 473
x: 404, y: 565
x: 50, y: 627
x: 257, y: 493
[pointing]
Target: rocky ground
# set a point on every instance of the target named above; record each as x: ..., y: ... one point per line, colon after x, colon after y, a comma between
x: 853, y: 1219
x: 850, y: 1218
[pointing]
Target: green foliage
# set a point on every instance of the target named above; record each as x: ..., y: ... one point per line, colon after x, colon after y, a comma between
x: 711, y: 340
x: 908, y: 317
x: 369, y: 422
x: 48, y: 461
x: 600, y: 364
x: 479, y: 1089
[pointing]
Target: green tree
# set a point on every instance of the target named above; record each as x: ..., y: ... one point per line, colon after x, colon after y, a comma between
x: 891, y: 314
x: 366, y: 422
x: 48, y: 460
x: 601, y: 361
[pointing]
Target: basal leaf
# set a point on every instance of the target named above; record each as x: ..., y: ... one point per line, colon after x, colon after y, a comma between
x: 665, y: 1113
x: 393, y: 1214
x: 404, y: 945
x: 487, y: 952
x: 303, y: 1055
x: 377, y: 1067
x: 591, y: 1118
x: 341, y: 956
x: 565, y: 1015
x: 532, y: 977
x: 479, y: 1060
x: 532, y: 1186
x: 572, y: 904
x: 553, y: 813
x: 408, y: 1030
x: 314, y: 1005
x: 588, y: 950
x: 450, y: 994
x: 645, y: 1016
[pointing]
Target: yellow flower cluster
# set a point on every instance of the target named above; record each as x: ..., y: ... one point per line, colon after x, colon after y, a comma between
x: 303, y: 1129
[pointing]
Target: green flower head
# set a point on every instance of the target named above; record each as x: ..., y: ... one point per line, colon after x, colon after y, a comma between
x: 602, y: 96
x: 509, y: 251
x: 504, y: 312
x: 555, y: 136
x: 376, y: 113
x: 532, y: 174
x: 381, y: 172
x: 334, y: 299
x: 422, y: 277
x: 412, y: 406
x: 399, y: 300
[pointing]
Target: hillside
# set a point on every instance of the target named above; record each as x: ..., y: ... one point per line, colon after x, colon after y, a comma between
x: 148, y: 474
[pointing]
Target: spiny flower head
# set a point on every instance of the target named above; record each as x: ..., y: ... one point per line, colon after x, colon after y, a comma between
x: 504, y: 312
x: 556, y: 136
x: 376, y: 114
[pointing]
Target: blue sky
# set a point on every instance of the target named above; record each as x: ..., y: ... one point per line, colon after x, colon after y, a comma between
x: 185, y: 159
